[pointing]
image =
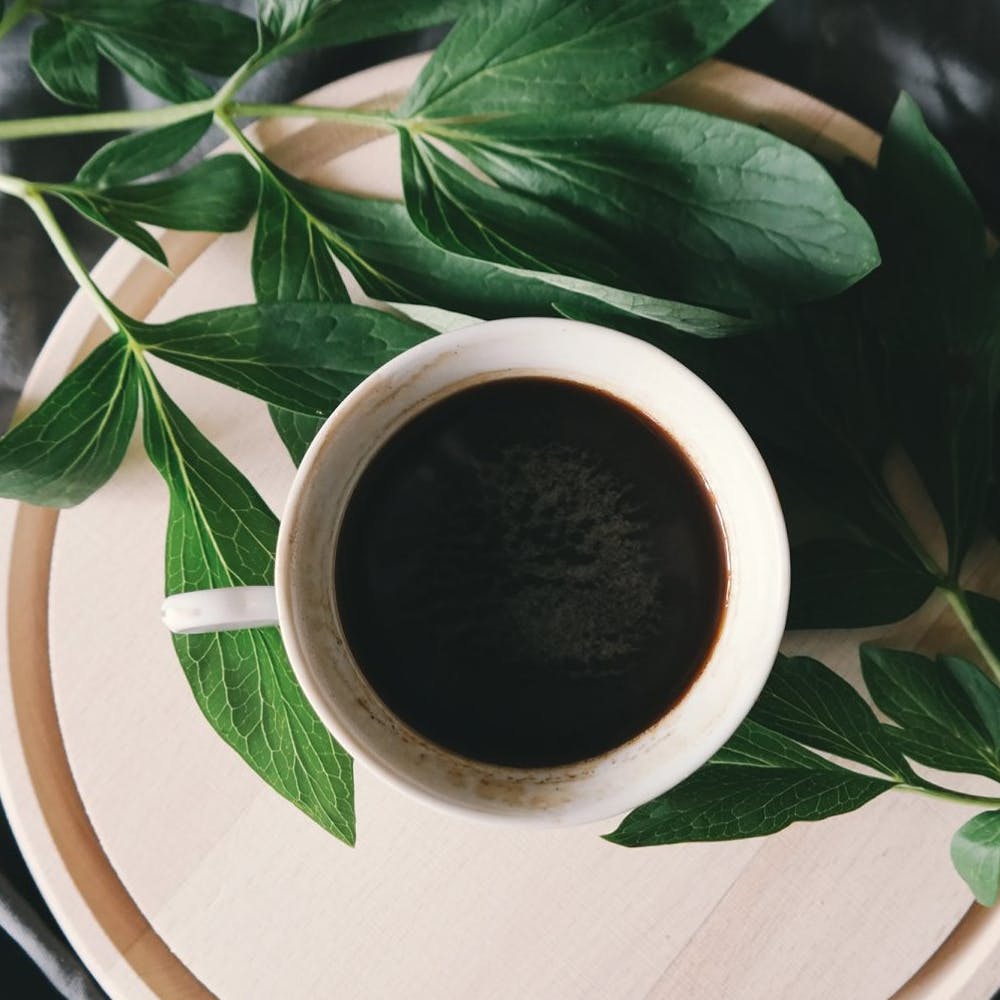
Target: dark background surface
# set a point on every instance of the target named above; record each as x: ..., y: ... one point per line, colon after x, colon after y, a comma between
x: 854, y: 55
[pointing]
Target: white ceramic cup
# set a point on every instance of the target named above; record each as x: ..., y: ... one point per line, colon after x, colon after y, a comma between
x: 303, y: 601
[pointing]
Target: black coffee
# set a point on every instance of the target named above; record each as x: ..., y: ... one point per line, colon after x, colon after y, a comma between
x: 530, y: 572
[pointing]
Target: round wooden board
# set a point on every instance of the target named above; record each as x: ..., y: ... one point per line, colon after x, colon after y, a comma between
x: 177, y: 873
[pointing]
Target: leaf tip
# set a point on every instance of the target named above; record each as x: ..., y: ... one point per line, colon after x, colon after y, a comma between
x: 618, y: 836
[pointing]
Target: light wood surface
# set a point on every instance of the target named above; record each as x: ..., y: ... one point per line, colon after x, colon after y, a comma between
x: 177, y: 873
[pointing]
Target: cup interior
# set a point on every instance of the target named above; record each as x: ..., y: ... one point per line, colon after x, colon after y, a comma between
x: 716, y: 445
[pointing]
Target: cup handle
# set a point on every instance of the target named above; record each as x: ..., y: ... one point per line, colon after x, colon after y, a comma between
x: 221, y: 610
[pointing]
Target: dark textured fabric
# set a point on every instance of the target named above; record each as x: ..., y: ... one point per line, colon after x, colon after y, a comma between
x: 855, y: 55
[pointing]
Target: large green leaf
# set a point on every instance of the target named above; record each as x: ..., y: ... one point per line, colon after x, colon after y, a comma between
x: 142, y: 153
x: 218, y: 195
x: 461, y: 213
x: 842, y: 583
x: 202, y: 35
x: 935, y: 308
x: 727, y: 214
x: 73, y: 442
x: 808, y: 702
x: 221, y: 534
x: 64, y: 58
x: 513, y: 55
x: 291, y: 260
x: 392, y: 260
x: 940, y: 726
x: 759, y: 783
x: 975, y: 852
x: 303, y: 356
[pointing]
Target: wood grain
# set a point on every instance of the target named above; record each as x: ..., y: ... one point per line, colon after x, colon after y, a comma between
x: 177, y: 873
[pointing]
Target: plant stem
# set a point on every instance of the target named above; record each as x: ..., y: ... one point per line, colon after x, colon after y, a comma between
x: 960, y: 606
x: 937, y: 792
x: 15, y: 186
x: 383, y: 120
x: 14, y: 15
x: 34, y: 200
x: 126, y: 121
x: 235, y: 132
x: 231, y: 87
x: 103, y: 121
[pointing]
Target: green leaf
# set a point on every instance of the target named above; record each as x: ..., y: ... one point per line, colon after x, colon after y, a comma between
x: 513, y: 55
x: 982, y: 692
x: 462, y: 214
x: 393, y: 261
x: 975, y: 853
x: 602, y: 304
x: 218, y: 195
x: 310, y: 24
x: 142, y: 153
x: 74, y: 441
x: 728, y: 215
x: 759, y: 783
x: 203, y: 36
x: 296, y: 430
x: 808, y: 702
x: 221, y: 534
x: 291, y: 261
x: 918, y: 174
x: 753, y: 745
x: 303, y: 356
x: 940, y: 725
x: 114, y: 222
x: 937, y: 316
x: 157, y: 70
x: 64, y: 58
x: 842, y: 583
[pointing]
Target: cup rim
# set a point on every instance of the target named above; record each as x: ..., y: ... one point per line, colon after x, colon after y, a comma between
x: 408, y: 366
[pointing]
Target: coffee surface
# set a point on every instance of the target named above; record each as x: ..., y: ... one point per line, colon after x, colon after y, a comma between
x: 530, y: 572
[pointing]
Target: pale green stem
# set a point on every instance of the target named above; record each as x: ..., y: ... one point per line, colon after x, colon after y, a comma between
x: 16, y: 186
x: 43, y: 213
x: 233, y: 130
x: 382, y: 120
x: 103, y: 121
x: 14, y: 15
x: 961, y: 608
x: 937, y: 792
x: 127, y: 121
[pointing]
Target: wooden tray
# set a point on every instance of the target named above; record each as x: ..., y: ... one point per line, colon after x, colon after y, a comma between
x: 177, y: 873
